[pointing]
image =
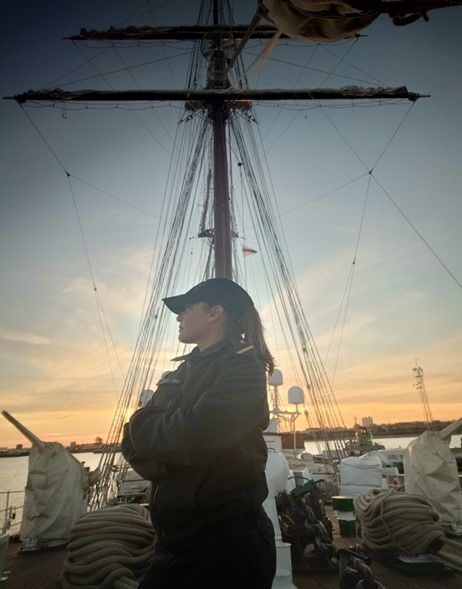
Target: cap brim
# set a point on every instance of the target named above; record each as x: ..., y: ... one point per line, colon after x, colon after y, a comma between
x: 176, y: 304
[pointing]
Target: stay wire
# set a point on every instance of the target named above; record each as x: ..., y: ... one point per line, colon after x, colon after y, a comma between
x: 395, y: 204
x: 101, y: 314
x: 406, y: 114
x: 350, y: 282
x: 130, y: 73
x: 137, y: 117
x: 326, y: 77
x: 52, y: 151
x: 95, y: 291
x: 318, y: 70
x: 69, y: 174
x: 418, y: 233
x: 154, y: 20
x: 132, y: 67
x: 113, y: 196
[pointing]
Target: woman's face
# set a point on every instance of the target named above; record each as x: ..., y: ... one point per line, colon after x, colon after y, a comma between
x: 195, y: 323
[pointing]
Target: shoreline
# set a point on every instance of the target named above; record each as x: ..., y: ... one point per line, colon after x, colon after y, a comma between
x: 393, y: 430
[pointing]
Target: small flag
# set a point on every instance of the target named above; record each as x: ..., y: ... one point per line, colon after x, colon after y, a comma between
x: 247, y: 251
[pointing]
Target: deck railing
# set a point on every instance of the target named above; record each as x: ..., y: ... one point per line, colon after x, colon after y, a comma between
x: 11, y: 508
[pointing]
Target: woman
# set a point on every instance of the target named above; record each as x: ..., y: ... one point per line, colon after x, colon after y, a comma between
x: 199, y: 440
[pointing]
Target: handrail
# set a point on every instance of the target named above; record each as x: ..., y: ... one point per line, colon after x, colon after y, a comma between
x: 9, y: 511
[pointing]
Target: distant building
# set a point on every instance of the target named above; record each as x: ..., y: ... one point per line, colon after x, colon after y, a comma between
x: 367, y: 421
x: 18, y: 446
x: 72, y: 445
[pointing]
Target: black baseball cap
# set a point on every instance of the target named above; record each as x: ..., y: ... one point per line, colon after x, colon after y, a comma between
x: 218, y: 291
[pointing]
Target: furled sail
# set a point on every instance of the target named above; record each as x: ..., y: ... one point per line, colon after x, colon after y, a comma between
x: 319, y: 20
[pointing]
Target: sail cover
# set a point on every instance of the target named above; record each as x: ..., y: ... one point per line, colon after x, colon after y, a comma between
x: 55, y: 495
x: 430, y: 470
x: 317, y: 19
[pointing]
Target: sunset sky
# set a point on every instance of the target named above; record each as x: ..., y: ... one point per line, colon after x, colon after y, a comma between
x: 406, y: 296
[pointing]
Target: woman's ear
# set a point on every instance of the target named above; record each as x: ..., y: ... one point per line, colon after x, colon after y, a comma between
x: 216, y: 313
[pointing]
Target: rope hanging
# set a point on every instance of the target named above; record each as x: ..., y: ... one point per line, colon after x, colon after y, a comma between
x: 111, y: 547
x: 395, y: 522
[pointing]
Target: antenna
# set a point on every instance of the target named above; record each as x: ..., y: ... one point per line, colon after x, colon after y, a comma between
x: 420, y: 386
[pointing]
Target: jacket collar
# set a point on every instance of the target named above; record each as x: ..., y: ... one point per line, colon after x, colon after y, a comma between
x: 196, y: 354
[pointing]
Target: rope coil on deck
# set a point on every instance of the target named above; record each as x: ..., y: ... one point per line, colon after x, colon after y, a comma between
x: 395, y: 522
x: 111, y: 547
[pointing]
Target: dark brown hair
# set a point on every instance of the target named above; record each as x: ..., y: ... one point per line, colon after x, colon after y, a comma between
x: 249, y: 326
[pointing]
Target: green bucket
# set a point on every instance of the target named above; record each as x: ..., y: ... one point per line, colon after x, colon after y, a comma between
x: 344, y: 512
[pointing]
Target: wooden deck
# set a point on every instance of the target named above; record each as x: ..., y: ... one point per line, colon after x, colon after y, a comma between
x: 41, y: 570
x: 33, y: 570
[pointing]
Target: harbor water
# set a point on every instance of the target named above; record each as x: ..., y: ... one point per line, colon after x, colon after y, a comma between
x: 13, y: 470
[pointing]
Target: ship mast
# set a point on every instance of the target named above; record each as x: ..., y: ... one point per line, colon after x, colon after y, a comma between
x: 217, y: 99
x: 217, y: 78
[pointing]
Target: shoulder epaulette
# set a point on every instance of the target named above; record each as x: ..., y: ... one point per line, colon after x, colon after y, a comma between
x: 244, y: 350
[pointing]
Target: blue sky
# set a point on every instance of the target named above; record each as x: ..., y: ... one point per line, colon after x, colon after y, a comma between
x: 404, y: 304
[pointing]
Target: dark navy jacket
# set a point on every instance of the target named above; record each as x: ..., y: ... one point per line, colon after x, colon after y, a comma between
x: 199, y: 440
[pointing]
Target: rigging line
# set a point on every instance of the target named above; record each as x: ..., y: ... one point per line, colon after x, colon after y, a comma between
x: 364, y: 104
x: 132, y: 67
x: 326, y: 406
x: 326, y: 77
x: 394, y: 134
x: 297, y: 65
x: 82, y: 105
x: 159, y: 230
x: 279, y: 111
x: 137, y: 117
x: 54, y: 154
x: 271, y: 195
x: 87, y: 60
x: 366, y: 167
x: 347, y: 183
x: 325, y: 48
x: 134, y: 14
x: 353, y: 267
x: 156, y: 115
x: 356, y: 154
x: 177, y: 228
x: 98, y: 302
x: 255, y: 68
x: 154, y: 20
x: 419, y: 234
x: 403, y: 214
x: 338, y: 316
x: 339, y: 61
x: 114, y: 197
x: 95, y: 290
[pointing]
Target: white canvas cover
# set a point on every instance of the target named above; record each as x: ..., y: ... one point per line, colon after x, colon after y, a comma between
x: 430, y: 469
x: 55, y: 496
x: 360, y: 474
x: 317, y: 20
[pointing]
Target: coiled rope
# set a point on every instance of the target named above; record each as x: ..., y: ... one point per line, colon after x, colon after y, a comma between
x: 111, y: 547
x: 396, y: 522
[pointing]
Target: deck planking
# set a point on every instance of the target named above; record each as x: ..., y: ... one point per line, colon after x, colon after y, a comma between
x: 42, y: 570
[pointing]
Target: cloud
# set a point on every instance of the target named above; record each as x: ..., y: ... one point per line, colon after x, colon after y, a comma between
x: 23, y: 338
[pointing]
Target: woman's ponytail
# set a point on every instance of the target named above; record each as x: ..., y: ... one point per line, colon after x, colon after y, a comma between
x: 251, y: 327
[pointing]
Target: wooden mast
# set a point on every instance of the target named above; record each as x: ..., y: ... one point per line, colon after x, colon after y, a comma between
x: 218, y: 113
x: 218, y: 98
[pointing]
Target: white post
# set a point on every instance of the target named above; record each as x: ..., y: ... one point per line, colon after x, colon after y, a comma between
x: 277, y: 472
